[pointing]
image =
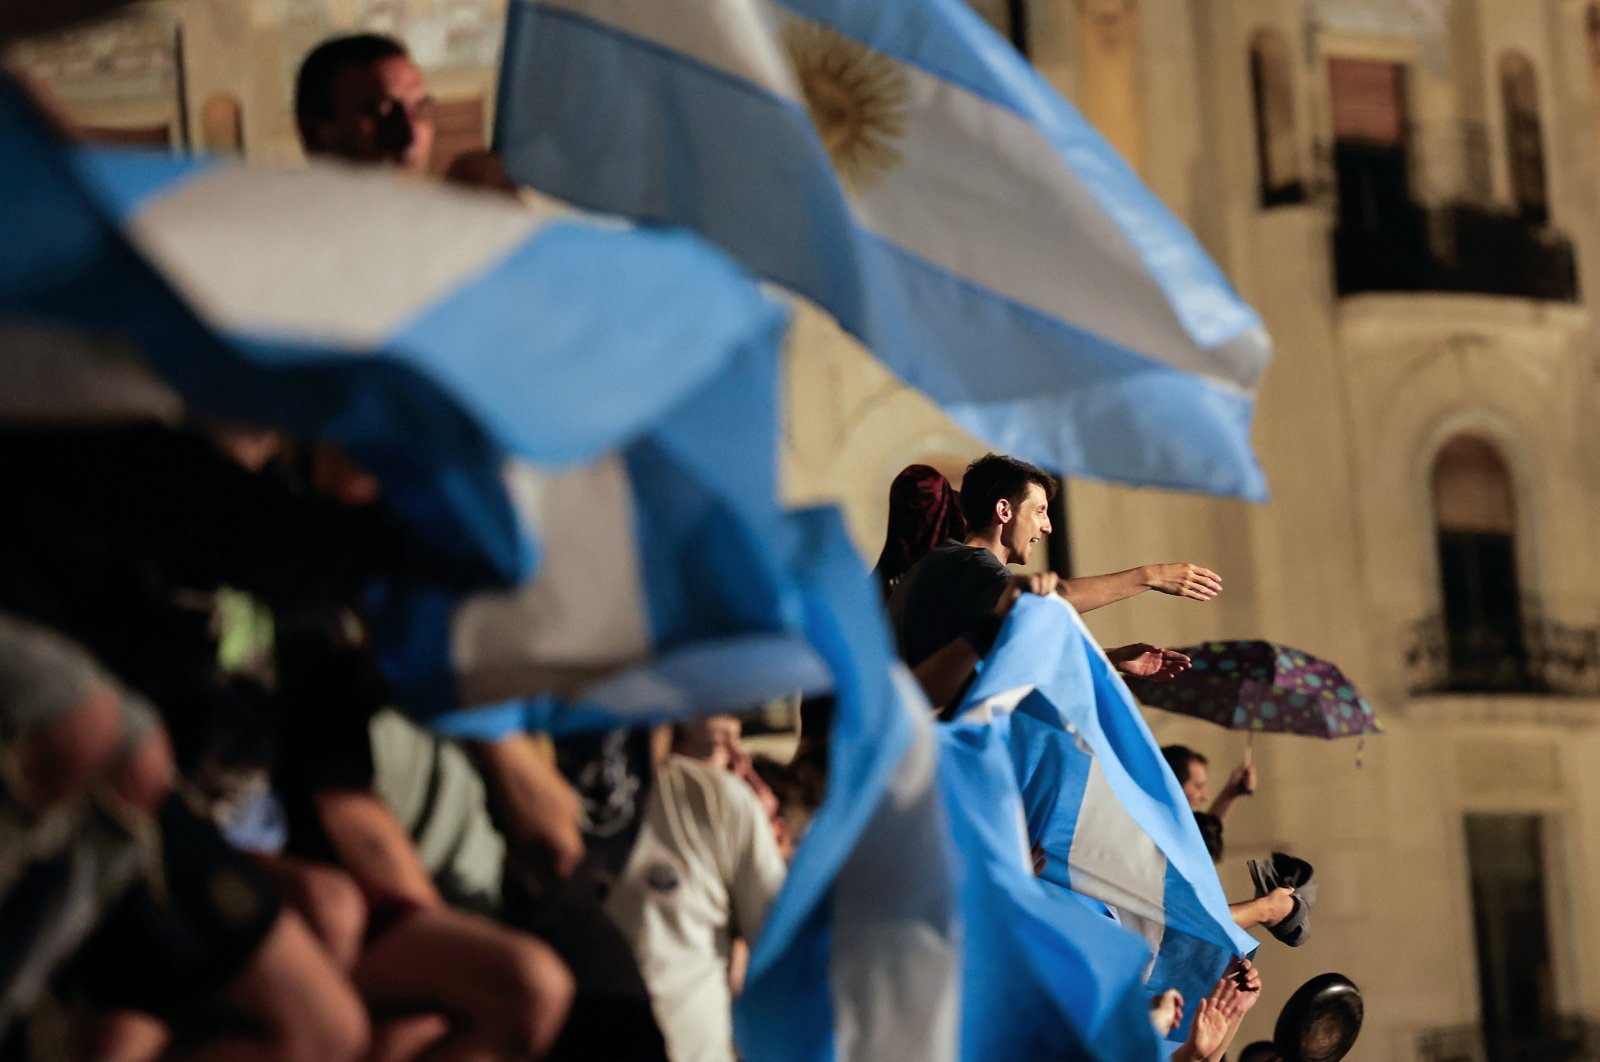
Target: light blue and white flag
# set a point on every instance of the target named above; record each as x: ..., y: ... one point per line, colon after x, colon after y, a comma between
x: 1043, y: 976
x: 900, y: 165
x: 663, y: 588
x: 433, y: 332
x: 580, y: 410
x: 859, y: 959
x: 1099, y: 798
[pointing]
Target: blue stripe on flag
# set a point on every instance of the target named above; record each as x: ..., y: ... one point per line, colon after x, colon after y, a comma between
x: 588, y: 71
x: 1080, y: 715
x: 1127, y: 416
x: 128, y: 180
x: 787, y: 1011
x: 1069, y: 982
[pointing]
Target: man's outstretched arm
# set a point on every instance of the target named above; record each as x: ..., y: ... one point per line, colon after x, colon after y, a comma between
x: 1178, y: 579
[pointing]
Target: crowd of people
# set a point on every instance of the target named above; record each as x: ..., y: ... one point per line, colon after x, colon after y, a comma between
x: 945, y: 572
x: 219, y: 838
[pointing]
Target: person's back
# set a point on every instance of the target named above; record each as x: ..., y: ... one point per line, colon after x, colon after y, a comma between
x: 943, y: 596
x: 704, y: 869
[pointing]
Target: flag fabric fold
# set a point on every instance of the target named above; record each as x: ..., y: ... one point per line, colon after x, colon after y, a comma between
x: 859, y: 956
x: 900, y: 165
x: 430, y: 331
x: 1069, y: 981
x: 1099, y: 798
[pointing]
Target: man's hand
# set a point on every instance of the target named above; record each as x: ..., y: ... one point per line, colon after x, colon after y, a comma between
x: 1211, y: 1021
x: 1276, y: 905
x: 1242, y: 782
x: 540, y: 808
x: 1040, y: 583
x: 1266, y: 910
x: 1182, y: 580
x: 1166, y: 1011
x: 1143, y: 660
x: 1248, y: 978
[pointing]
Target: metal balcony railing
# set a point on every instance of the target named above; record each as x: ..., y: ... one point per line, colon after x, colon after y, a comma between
x: 1456, y: 247
x: 1537, y: 655
x: 1563, y: 1039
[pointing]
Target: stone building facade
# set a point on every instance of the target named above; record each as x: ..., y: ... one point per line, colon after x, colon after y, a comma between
x: 1409, y: 192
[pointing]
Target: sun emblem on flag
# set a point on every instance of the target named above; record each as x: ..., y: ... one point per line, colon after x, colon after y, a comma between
x: 858, y: 99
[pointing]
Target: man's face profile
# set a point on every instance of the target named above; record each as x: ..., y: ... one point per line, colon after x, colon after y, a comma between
x: 382, y: 113
x: 1030, y: 522
x: 1194, y: 787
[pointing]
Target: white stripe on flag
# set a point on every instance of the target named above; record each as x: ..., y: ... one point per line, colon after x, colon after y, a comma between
x: 218, y: 235
x: 585, y: 614
x: 1127, y: 869
x: 980, y: 192
x: 895, y: 965
x: 992, y: 708
x: 733, y: 38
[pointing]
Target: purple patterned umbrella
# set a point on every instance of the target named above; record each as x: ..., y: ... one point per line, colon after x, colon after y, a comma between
x: 1263, y: 687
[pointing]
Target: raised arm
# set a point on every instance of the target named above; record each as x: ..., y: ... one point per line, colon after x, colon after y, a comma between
x: 1178, y: 579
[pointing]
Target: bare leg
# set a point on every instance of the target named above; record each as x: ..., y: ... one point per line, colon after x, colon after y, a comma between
x: 298, y: 1005
x: 328, y: 899
x: 505, y: 992
x: 120, y: 1036
x: 408, y: 1038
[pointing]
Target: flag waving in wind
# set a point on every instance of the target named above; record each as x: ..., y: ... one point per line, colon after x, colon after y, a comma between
x: 430, y: 331
x: 902, y: 166
x: 1100, y: 801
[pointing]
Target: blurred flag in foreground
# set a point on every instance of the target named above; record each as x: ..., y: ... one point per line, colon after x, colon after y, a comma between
x: 859, y: 958
x: 430, y: 331
x: 899, y: 164
x: 1100, y: 800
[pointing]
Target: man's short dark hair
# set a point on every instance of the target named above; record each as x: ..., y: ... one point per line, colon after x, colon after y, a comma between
x: 319, y: 73
x: 995, y: 476
x: 1179, y: 757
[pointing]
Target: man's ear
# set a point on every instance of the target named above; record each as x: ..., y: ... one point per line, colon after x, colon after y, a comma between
x: 1002, y: 510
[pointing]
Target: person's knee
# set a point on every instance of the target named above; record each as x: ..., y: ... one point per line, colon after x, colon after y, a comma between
x: 337, y: 912
x: 305, y: 1006
x: 539, y: 991
x: 338, y: 1030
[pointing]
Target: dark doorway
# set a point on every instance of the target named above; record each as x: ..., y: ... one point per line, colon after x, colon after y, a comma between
x: 1506, y: 860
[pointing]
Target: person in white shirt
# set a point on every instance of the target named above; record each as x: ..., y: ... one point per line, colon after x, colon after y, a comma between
x: 704, y: 870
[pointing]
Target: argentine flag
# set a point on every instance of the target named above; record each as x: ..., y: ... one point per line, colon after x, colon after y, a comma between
x: 902, y: 166
x: 1099, y: 798
x: 1043, y: 976
x: 583, y: 415
x: 859, y: 958
x: 433, y: 332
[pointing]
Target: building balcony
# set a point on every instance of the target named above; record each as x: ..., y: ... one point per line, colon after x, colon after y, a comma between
x: 1534, y: 656
x: 1456, y: 248
x: 1563, y: 1039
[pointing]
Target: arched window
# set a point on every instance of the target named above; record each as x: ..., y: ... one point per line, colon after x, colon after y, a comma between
x: 1475, y: 519
x: 1519, y: 93
x: 1109, y: 30
x: 1277, y: 147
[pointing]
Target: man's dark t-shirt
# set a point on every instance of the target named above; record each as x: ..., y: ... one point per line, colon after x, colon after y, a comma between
x: 944, y: 595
